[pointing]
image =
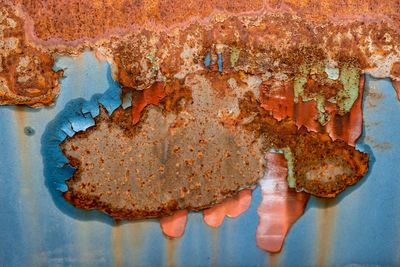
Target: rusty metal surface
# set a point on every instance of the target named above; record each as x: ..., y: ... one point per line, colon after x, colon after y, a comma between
x: 192, y: 102
x: 26, y: 75
x: 39, y: 228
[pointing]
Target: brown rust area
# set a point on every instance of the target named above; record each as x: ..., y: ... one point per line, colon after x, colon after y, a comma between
x: 170, y: 160
x: 159, y: 41
x: 273, y: 47
x: 321, y: 167
x: 198, y: 154
x: 325, y: 168
x: 26, y: 75
x: 50, y: 16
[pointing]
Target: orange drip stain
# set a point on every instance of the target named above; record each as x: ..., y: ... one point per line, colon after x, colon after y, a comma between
x: 396, y: 86
x: 170, y: 251
x: 135, y: 233
x: 150, y: 96
x: 280, y: 206
x: 274, y: 260
x: 116, y: 243
x: 326, y: 220
x: 174, y: 226
x: 27, y: 187
x: 232, y: 207
x: 215, y: 239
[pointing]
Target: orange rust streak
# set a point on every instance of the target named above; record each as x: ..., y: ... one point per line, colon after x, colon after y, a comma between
x: 232, y: 207
x: 280, y: 206
x: 150, y: 96
x: 174, y: 225
x: 396, y: 85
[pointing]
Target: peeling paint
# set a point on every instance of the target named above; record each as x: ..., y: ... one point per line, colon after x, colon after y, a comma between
x: 218, y: 119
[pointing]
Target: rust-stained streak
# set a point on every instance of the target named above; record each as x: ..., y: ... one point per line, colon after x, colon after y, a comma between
x: 136, y: 233
x: 27, y: 185
x: 274, y: 260
x: 326, y: 222
x: 116, y: 244
x: 215, y: 245
x: 170, y: 249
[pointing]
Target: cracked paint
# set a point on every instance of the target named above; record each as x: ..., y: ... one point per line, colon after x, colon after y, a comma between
x: 207, y: 90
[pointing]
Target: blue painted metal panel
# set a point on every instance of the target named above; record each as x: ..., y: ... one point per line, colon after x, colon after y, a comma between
x: 38, y: 228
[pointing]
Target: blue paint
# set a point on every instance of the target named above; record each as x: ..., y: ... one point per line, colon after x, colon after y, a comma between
x: 207, y: 60
x: 219, y: 62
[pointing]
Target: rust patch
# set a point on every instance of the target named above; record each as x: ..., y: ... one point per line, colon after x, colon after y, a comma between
x: 319, y: 166
x: 167, y: 162
x: 159, y: 41
x: 26, y: 75
x: 195, y: 156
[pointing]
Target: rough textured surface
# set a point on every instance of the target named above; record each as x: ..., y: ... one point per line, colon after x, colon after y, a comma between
x: 274, y: 40
x: 26, y: 75
x: 215, y: 69
x: 318, y: 165
x: 280, y: 206
x: 191, y: 153
x: 167, y: 162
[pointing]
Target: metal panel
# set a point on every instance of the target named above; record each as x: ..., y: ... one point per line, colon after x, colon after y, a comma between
x: 40, y: 228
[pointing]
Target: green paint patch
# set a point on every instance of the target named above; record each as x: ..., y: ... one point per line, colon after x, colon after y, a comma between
x: 350, y: 78
x: 345, y: 79
x: 153, y: 60
x: 287, y: 153
x: 235, y: 53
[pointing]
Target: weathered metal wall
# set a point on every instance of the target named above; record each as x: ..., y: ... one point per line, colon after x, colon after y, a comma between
x: 38, y: 227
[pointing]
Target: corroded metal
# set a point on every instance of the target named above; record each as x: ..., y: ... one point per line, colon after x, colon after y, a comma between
x: 26, y: 75
x: 193, y: 152
x: 213, y: 85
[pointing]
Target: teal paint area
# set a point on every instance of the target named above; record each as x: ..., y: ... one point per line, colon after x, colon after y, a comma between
x: 39, y: 228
